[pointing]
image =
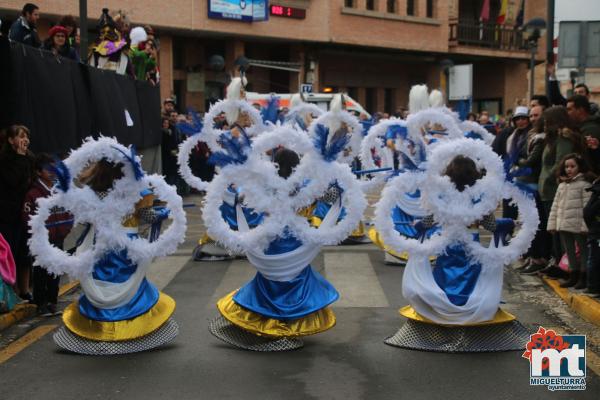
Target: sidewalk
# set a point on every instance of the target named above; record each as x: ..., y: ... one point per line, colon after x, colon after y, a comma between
x: 22, y: 311
x: 586, y: 307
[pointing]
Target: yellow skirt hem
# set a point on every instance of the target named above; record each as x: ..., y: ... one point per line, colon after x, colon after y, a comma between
x: 130, y: 329
x: 500, y: 317
x: 257, y: 324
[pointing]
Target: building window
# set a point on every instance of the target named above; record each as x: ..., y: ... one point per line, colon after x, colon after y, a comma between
x: 410, y: 7
x: 388, y: 101
x: 370, y: 4
x: 430, y: 6
x: 370, y: 100
x: 391, y: 6
x: 349, y: 3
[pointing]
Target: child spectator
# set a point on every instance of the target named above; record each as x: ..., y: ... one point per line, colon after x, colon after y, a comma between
x: 45, y: 285
x: 566, y: 215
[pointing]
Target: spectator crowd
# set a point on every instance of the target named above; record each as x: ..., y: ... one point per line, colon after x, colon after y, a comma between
x: 118, y: 47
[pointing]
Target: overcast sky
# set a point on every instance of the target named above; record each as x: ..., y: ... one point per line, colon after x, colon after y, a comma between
x: 577, y: 10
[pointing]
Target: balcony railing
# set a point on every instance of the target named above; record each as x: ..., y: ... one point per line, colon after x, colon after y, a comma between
x: 488, y: 35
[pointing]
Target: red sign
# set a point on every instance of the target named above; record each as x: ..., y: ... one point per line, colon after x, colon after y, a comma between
x: 288, y: 12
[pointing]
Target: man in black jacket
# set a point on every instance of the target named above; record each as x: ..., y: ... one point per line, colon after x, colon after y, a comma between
x: 591, y: 215
x: 23, y: 30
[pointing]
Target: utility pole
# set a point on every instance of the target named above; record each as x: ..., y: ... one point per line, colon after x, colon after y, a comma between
x: 83, y: 29
x: 549, y: 40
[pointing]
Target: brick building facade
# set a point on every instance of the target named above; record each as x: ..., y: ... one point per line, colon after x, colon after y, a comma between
x: 372, y: 49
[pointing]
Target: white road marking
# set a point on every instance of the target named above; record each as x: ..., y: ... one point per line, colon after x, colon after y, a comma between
x: 238, y: 273
x: 353, y: 276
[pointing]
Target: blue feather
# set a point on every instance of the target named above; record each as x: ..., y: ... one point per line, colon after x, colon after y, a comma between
x: 331, y: 151
x: 270, y: 113
x: 62, y: 173
x: 396, y: 131
x: 235, y: 150
x: 138, y: 172
x: 193, y: 128
x: 473, y: 135
x: 366, y: 125
x: 509, y: 161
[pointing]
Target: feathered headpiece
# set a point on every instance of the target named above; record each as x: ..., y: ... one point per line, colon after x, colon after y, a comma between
x: 436, y: 98
x: 330, y: 150
x: 235, y: 151
x: 418, y: 99
x: 296, y: 100
x: 193, y: 128
x: 235, y: 91
x: 270, y: 112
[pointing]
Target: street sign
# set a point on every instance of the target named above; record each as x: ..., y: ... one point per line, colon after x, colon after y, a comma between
x: 242, y: 10
x: 306, y: 88
x: 579, y: 44
x: 460, y: 82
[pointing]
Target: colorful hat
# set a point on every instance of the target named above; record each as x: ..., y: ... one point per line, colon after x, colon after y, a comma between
x: 57, y: 29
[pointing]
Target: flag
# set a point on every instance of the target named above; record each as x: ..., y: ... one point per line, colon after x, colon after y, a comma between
x: 484, y: 17
x: 520, y: 15
x: 485, y: 11
x: 501, y: 19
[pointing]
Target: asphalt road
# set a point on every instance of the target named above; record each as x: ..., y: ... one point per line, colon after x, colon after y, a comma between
x: 348, y: 362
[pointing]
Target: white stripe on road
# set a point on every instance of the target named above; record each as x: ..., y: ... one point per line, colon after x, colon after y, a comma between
x: 163, y: 270
x: 353, y: 276
x: 238, y: 273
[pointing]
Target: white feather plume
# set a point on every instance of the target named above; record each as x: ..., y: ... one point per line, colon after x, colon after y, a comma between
x: 336, y: 103
x: 418, y: 98
x: 138, y: 35
x: 296, y: 100
x: 436, y: 98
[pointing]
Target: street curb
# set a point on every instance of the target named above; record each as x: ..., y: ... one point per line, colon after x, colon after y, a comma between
x: 68, y: 288
x: 22, y: 311
x: 587, y: 307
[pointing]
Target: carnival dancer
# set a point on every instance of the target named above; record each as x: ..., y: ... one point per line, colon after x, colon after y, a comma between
x: 243, y: 122
x: 454, y: 304
x: 342, y: 124
x: 103, y: 186
x: 406, y: 144
x: 287, y: 299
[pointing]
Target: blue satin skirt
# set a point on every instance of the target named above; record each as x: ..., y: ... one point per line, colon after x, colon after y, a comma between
x: 116, y: 267
x: 322, y: 208
x: 305, y: 294
x: 456, y: 275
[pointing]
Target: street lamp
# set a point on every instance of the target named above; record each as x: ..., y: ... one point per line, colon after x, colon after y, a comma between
x: 533, y: 29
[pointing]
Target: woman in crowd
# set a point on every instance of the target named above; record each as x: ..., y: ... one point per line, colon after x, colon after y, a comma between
x: 539, y: 252
x: 16, y: 172
x: 57, y: 43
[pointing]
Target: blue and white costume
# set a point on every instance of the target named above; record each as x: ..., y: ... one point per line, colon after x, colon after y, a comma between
x: 287, y: 298
x: 120, y: 311
x: 465, y: 283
